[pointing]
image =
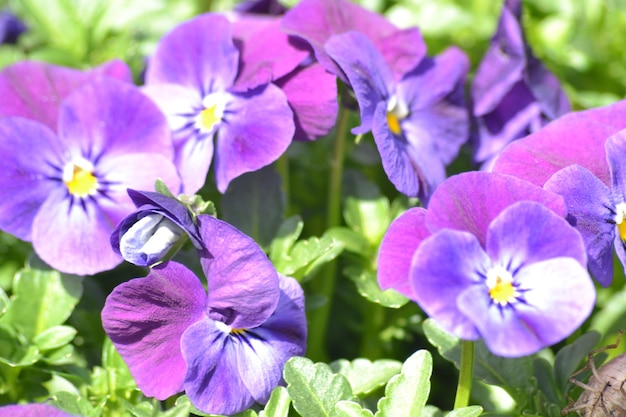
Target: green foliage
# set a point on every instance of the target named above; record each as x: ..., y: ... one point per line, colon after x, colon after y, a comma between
x: 364, y: 375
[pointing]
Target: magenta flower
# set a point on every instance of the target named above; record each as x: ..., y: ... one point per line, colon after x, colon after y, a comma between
x: 419, y: 122
x: 492, y: 258
x: 32, y: 410
x: 514, y: 94
x: 191, y: 77
x: 226, y: 348
x: 69, y: 195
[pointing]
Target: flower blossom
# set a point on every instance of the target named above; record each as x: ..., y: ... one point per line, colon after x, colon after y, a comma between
x: 191, y: 77
x: 494, y: 258
x: 68, y: 196
x: 419, y: 122
x: 10, y: 27
x: 226, y: 348
x: 514, y: 94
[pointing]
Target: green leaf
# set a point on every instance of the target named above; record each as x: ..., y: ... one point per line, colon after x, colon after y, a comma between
x: 183, y: 401
x: 161, y: 188
x: 4, y: 302
x: 471, y: 411
x: 546, y: 383
x: 492, y: 369
x: 353, y: 241
x: 255, y: 204
x: 406, y: 393
x: 76, y: 405
x: 364, y: 375
x: 119, y: 376
x: 431, y: 411
x: 278, y: 404
x: 13, y: 352
x: 367, y: 285
x: 314, y: 388
x: 568, y: 359
x: 54, y: 337
x: 366, y: 211
x: 351, y: 409
x: 42, y: 298
x: 287, y: 234
x: 64, y: 355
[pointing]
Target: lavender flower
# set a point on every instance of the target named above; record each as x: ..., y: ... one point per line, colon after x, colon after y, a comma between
x: 513, y: 92
x: 35, y: 90
x: 492, y: 258
x: 225, y: 349
x: 418, y: 123
x: 155, y: 229
x: 68, y: 195
x: 481, y: 195
x: 32, y: 410
x: 597, y: 211
x: 191, y: 78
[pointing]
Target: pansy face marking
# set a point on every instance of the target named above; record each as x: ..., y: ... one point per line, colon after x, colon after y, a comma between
x: 396, y: 112
x: 214, y: 106
x: 502, y: 289
x: 620, y: 220
x: 79, y: 177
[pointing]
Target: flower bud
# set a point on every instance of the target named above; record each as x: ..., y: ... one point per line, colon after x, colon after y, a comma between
x: 150, y: 239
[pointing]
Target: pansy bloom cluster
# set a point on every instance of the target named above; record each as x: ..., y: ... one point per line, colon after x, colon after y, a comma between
x: 175, y: 215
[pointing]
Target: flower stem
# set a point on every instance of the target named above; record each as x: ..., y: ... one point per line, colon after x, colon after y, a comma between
x: 466, y: 371
x: 282, y: 166
x: 324, y: 283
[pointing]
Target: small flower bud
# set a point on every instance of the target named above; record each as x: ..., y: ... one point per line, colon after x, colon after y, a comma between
x: 149, y: 240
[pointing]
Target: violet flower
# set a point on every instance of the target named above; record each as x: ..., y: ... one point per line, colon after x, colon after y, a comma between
x: 492, y: 258
x: 597, y: 211
x: 155, y: 229
x: 191, y: 77
x: 32, y: 410
x: 419, y: 123
x: 11, y: 27
x: 514, y: 94
x: 35, y: 90
x: 225, y: 349
x: 316, y: 21
x: 68, y: 196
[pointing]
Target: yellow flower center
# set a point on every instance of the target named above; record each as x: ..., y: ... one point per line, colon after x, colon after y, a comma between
x: 500, y: 284
x: 79, y: 179
x: 214, y: 105
x: 396, y: 111
x: 620, y: 220
x: 227, y: 329
x: 394, y: 123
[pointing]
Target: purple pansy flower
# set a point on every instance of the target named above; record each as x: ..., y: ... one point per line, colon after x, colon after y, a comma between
x: 597, y: 211
x: 418, y: 123
x: 32, y: 410
x: 513, y: 92
x: 466, y: 202
x: 35, y: 90
x: 225, y: 349
x: 316, y: 21
x: 68, y: 196
x: 191, y: 77
x: 492, y: 258
x: 263, y: 7
x: 10, y: 27
x: 525, y: 289
x: 154, y: 229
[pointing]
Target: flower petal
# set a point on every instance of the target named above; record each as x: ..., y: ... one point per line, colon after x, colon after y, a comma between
x: 615, y: 153
x: 26, y: 178
x: 368, y: 73
x: 268, y: 347
x: 538, y: 156
x: 72, y: 235
x: 212, y: 382
x: 242, y: 282
x: 32, y: 410
x: 198, y: 53
x: 590, y: 210
x: 256, y: 132
x: 397, y: 248
x: 35, y: 89
x: 108, y: 117
x: 444, y: 266
x: 527, y: 232
x: 471, y: 200
x: 146, y: 318
x: 312, y: 94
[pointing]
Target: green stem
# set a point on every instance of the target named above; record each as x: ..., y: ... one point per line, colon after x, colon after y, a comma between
x: 324, y: 283
x: 466, y: 371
